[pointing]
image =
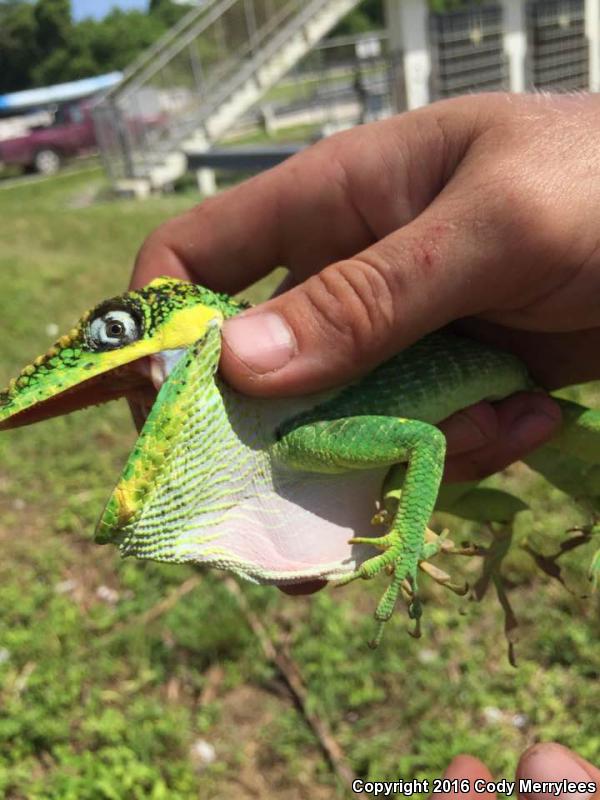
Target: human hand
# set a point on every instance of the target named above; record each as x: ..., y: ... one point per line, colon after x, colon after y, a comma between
x: 481, y: 207
x: 541, y: 763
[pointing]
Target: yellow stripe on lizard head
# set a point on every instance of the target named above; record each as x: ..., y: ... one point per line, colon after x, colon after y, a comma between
x: 185, y: 326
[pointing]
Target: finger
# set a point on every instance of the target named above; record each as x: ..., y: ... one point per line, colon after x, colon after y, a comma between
x: 551, y: 762
x: 470, y: 429
x: 524, y: 422
x: 324, y: 204
x: 468, y: 769
x: 469, y: 252
x: 357, y: 312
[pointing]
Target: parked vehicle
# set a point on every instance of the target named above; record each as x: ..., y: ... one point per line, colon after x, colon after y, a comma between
x: 44, y: 149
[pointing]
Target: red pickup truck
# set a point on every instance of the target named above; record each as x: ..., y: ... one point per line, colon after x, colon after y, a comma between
x: 43, y: 149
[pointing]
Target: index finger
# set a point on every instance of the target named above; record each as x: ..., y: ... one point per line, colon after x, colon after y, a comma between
x: 291, y: 214
x: 324, y: 204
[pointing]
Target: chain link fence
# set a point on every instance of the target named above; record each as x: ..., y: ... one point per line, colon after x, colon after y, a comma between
x: 558, y: 57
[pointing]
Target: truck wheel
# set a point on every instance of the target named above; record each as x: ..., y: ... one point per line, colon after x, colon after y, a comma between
x: 47, y: 162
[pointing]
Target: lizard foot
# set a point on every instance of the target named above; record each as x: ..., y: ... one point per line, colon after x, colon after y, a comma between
x: 380, y: 542
x: 385, y: 607
x: 394, y: 562
x: 403, y: 567
x: 369, y: 568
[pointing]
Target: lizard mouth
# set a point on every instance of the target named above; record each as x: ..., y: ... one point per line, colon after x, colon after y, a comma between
x: 132, y: 381
x: 139, y: 381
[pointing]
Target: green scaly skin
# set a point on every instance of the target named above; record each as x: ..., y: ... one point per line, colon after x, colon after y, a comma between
x: 271, y: 488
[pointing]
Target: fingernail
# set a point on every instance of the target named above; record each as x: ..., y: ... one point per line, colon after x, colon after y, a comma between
x: 263, y: 342
x: 552, y: 763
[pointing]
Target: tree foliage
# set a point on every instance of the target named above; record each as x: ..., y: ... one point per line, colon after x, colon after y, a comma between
x: 18, y: 45
x: 369, y: 15
x: 40, y: 44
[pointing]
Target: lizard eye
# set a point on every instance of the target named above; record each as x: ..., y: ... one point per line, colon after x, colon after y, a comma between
x: 113, y: 329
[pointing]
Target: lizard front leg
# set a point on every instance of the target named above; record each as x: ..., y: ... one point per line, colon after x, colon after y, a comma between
x: 367, y: 442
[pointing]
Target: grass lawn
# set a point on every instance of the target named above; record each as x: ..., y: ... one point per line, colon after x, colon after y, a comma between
x: 106, y: 693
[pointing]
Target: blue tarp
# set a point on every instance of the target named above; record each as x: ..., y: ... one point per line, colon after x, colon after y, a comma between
x: 58, y: 93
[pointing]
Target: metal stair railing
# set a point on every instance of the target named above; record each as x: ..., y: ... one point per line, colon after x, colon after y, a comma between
x: 197, y: 18
x: 171, y: 91
x: 217, y: 83
x: 129, y: 121
x: 271, y: 47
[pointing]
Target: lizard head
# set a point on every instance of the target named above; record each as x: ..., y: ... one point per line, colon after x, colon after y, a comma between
x: 125, y: 346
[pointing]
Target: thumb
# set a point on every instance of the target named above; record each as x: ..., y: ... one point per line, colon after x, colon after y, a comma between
x: 551, y: 762
x: 352, y: 315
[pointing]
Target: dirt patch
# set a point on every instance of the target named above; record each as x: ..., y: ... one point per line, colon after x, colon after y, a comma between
x: 241, y: 740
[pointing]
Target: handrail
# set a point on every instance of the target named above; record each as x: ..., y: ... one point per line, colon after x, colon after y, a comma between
x: 219, y: 7
x: 154, y: 49
x: 243, y: 37
x: 266, y: 52
x: 180, y: 36
x: 231, y: 64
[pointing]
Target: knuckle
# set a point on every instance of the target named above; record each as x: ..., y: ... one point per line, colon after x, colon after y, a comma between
x: 536, y: 221
x: 355, y: 298
x: 526, y: 209
x: 471, y: 428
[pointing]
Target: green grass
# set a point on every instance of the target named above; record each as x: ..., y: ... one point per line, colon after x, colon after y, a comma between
x: 96, y: 704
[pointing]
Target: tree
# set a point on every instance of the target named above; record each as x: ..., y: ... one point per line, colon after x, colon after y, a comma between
x: 40, y: 44
x: 121, y: 36
x: 367, y: 17
x: 18, y: 45
x: 54, y: 25
x: 167, y: 12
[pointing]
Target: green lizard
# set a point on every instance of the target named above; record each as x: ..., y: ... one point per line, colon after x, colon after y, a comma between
x: 283, y: 490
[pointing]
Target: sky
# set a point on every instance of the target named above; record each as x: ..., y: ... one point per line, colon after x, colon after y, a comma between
x: 99, y: 8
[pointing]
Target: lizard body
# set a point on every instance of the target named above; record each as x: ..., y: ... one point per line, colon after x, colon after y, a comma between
x: 281, y: 490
